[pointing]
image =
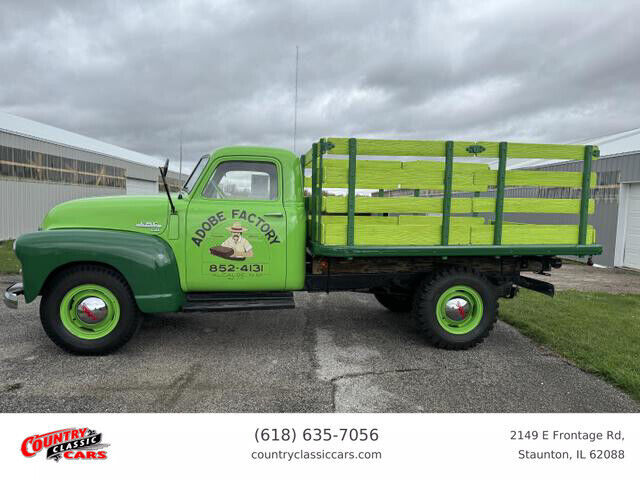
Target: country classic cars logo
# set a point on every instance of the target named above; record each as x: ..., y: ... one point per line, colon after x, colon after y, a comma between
x: 70, y: 443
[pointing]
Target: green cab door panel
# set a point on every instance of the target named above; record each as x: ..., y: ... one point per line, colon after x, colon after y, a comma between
x: 236, y: 237
x: 146, y: 261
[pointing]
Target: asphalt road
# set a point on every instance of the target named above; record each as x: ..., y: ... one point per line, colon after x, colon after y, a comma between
x: 340, y: 352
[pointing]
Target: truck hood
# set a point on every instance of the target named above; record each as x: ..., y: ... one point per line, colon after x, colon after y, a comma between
x: 134, y: 213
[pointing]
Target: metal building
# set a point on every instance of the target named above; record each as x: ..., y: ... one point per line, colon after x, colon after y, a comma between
x: 617, y: 215
x: 41, y: 166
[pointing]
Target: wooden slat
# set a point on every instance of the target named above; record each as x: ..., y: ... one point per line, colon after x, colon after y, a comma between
x: 421, y: 166
x: 389, y: 172
x: 392, y: 166
x: 339, y: 163
x: 392, y: 235
x: 405, y: 148
x: 532, y: 205
x: 435, y: 148
x: 512, y: 234
x: 429, y: 175
x: 360, y: 220
x: 395, y: 205
x: 436, y: 220
x: 380, y: 178
x: 423, y: 220
x: 527, y: 234
x: 531, y: 178
x: 539, y: 150
x: 410, y: 148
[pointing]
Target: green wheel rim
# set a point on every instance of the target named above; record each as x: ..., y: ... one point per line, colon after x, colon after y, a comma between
x: 81, y: 329
x: 473, y: 316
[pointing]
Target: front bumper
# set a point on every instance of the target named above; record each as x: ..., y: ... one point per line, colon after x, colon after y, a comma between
x: 10, y: 297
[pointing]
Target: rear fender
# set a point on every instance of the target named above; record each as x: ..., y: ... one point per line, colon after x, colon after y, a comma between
x: 146, y: 262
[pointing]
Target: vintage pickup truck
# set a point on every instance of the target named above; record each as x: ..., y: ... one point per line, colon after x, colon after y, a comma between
x: 248, y: 229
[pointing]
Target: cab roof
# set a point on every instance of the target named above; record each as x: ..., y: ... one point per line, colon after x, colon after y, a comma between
x: 280, y: 153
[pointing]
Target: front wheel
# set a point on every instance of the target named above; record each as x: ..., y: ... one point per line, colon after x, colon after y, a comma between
x: 89, y: 310
x: 456, y: 309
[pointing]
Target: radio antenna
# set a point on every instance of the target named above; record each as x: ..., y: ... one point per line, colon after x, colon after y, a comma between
x: 295, y: 106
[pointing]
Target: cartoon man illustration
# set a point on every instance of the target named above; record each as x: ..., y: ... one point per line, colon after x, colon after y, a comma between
x: 240, y: 245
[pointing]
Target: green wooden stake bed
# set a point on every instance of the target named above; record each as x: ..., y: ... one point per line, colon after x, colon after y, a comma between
x: 245, y: 233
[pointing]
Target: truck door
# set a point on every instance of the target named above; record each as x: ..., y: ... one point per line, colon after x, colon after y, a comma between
x: 236, y: 228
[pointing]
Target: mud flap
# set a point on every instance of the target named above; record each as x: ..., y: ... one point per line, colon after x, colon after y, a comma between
x: 536, y: 285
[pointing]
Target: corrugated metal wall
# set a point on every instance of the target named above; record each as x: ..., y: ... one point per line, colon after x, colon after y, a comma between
x: 605, y: 218
x: 24, y: 204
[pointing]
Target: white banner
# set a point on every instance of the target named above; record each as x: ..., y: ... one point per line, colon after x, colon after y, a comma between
x: 320, y: 445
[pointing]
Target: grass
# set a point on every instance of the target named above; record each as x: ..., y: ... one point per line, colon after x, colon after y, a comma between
x: 8, y: 261
x: 598, y: 332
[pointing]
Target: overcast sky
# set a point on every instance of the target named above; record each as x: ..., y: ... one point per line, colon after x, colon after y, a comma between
x: 136, y: 73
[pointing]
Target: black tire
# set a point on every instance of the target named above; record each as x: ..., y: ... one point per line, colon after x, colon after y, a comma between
x: 395, y: 303
x: 425, y: 306
x: 54, y: 293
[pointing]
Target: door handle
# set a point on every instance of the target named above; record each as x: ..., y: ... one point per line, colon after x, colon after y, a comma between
x: 278, y: 214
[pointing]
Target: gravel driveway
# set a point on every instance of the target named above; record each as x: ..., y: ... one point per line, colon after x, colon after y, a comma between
x: 595, y: 279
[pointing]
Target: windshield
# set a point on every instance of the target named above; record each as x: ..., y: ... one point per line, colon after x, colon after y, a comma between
x: 195, y: 174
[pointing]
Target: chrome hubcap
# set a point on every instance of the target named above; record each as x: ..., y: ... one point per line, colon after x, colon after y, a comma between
x: 92, y: 310
x: 457, y: 309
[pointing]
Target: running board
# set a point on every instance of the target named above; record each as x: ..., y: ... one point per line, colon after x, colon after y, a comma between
x: 234, y: 301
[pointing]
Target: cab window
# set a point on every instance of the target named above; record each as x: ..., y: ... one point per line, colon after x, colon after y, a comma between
x: 243, y: 181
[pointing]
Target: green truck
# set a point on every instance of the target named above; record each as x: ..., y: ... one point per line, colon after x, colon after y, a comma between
x: 250, y: 227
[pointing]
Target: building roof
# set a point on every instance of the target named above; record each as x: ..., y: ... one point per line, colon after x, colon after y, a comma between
x: 40, y: 131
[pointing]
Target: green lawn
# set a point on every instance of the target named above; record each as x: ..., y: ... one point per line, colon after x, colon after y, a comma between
x: 598, y: 332
x: 8, y: 261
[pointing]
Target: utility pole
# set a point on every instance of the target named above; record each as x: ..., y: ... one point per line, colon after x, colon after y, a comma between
x: 295, y: 106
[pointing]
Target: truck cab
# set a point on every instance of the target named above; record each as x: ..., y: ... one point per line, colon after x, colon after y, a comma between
x: 238, y: 226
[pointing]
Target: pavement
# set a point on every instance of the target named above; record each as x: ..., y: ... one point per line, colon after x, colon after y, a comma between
x: 341, y: 352
x: 595, y: 279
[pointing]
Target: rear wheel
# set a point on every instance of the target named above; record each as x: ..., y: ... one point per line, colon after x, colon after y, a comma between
x: 394, y: 302
x: 456, y: 309
x: 89, y: 310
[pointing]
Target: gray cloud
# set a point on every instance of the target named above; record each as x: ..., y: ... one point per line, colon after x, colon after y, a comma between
x: 134, y: 74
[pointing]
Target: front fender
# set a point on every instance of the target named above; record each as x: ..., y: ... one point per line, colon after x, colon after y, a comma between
x: 146, y: 262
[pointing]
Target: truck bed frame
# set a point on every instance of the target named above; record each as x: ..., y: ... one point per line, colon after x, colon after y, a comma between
x: 448, y: 149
